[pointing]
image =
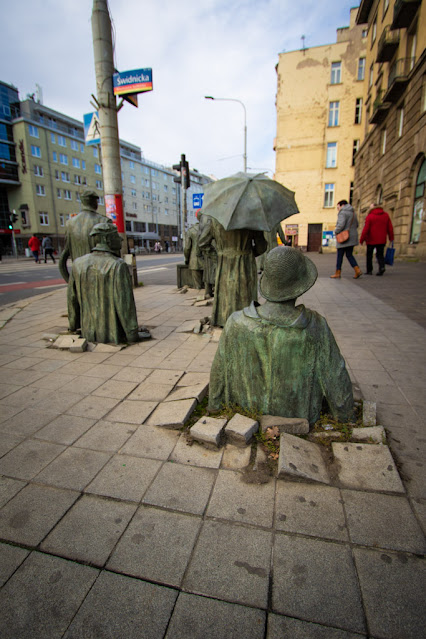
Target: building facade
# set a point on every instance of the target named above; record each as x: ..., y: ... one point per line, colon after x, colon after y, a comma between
x: 390, y: 166
x: 9, y: 173
x: 320, y: 127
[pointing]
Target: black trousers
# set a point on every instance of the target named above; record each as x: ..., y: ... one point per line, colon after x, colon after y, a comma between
x: 380, y: 248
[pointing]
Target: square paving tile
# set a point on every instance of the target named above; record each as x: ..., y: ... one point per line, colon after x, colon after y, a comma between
x: 236, y: 500
x: 93, y: 407
x: 172, y: 414
x: 84, y: 385
x: 29, y: 458
x: 8, y: 389
x: 180, y: 487
x: 64, y: 429
x: 195, y: 454
x: 42, y: 597
x: 115, y: 388
x: 157, y: 546
x: 54, y: 380
x: 9, y: 488
x: 90, y: 530
x: 375, y: 520
x: 191, y: 379
x: 125, y: 477
x: 200, y: 617
x: 134, y: 375
x: 28, y: 396
x: 367, y: 467
x: 32, y: 513
x: 310, y: 510
x: 7, y: 442
x: 231, y: 562
x: 147, y: 391
x: 151, y: 441
x: 279, y: 627
x: 103, y: 370
x: 59, y: 401
x: 236, y: 457
x: 393, y: 587
x: 165, y: 376
x: 316, y: 581
x: 106, y: 436
x: 74, y: 468
x: 118, y: 606
x: 131, y: 412
x: 27, y: 421
x: 10, y: 558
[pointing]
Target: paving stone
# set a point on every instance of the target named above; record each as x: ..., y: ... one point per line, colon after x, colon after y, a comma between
x: 300, y: 458
x: 131, y: 374
x: 32, y: 513
x: 141, y: 550
x: 180, y: 487
x: 131, y: 412
x: 240, y: 429
x: 279, y: 627
x: 65, y: 341
x: 11, y: 558
x: 294, y: 426
x: 195, y: 454
x: 26, y: 422
x: 375, y: 520
x: 56, y: 379
x: 90, y: 530
x: 93, y: 407
x: 236, y: 500
x: 209, y: 430
x: 115, y: 388
x: 9, y: 488
x: 28, y: 458
x: 366, y: 467
x: 106, y: 436
x: 147, y: 391
x: 165, y: 377
x: 118, y: 606
x: 102, y: 369
x: 29, y: 396
x: 152, y: 442
x: 200, y: 617
x: 369, y: 413
x: 191, y: 379
x: 43, y: 596
x: 393, y: 587
x: 188, y: 326
x: 419, y: 507
x: 8, y: 389
x: 230, y: 566
x: 125, y: 478
x: 64, y: 429
x: 108, y: 348
x: 235, y: 457
x: 316, y: 581
x: 49, y: 337
x: 369, y: 435
x: 7, y: 442
x: 198, y: 391
x: 83, y: 385
x: 79, y: 346
x: 73, y: 469
x: 172, y: 414
x: 310, y: 509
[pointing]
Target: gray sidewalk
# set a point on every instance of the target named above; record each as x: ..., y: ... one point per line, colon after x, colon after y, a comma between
x: 111, y: 526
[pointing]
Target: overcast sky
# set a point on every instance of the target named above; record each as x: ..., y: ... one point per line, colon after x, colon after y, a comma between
x: 223, y: 48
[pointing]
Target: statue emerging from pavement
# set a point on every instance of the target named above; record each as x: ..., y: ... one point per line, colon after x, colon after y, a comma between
x: 100, y: 294
x: 279, y: 358
x: 193, y: 258
x: 78, y: 241
x: 236, y: 273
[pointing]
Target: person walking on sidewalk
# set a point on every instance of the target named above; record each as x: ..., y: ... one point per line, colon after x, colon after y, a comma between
x: 346, y: 221
x: 47, y: 248
x: 34, y: 245
x: 377, y: 226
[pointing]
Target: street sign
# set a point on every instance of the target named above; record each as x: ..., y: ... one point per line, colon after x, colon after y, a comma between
x: 136, y: 81
x: 197, y: 200
x: 92, y: 129
x: 9, y: 232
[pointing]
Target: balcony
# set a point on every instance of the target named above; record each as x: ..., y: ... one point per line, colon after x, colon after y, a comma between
x: 380, y: 109
x: 388, y: 44
x: 404, y: 12
x: 398, y: 79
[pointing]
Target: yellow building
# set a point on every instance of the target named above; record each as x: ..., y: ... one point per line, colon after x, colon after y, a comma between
x: 319, y: 129
x: 390, y: 166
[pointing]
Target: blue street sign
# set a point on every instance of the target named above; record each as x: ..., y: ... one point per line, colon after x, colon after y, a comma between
x: 197, y: 200
x: 92, y: 132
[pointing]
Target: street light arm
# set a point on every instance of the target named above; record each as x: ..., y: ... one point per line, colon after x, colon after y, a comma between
x: 210, y: 97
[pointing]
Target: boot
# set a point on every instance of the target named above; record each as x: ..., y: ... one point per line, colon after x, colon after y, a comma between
x: 336, y: 275
x: 357, y: 272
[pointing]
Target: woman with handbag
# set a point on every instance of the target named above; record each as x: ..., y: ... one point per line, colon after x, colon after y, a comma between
x: 346, y: 232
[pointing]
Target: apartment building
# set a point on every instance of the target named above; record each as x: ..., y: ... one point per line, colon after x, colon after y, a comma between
x: 390, y: 166
x: 320, y: 127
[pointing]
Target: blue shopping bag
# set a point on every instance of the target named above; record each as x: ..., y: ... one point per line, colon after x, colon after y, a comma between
x: 389, y: 256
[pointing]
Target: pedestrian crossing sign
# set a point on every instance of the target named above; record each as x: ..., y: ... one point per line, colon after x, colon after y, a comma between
x: 92, y: 129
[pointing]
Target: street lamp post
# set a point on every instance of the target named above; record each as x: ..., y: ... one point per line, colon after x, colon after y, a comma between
x: 209, y: 97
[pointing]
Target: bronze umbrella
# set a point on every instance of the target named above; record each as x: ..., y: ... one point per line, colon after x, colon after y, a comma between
x: 248, y: 201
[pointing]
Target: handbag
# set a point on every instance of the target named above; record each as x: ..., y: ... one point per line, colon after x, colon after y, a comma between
x: 390, y: 254
x: 343, y: 236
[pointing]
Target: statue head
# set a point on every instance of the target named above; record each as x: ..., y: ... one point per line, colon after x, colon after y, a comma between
x: 287, y: 274
x: 90, y: 199
x: 106, y: 238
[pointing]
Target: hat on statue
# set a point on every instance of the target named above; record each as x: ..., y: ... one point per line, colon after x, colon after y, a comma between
x: 287, y: 274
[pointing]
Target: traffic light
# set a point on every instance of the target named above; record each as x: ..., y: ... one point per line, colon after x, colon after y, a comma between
x: 12, y: 219
x: 183, y: 169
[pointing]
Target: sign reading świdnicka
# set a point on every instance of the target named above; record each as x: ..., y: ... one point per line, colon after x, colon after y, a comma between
x: 136, y: 81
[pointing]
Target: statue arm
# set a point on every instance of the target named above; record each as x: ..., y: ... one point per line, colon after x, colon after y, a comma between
x: 63, y: 262
x: 206, y: 236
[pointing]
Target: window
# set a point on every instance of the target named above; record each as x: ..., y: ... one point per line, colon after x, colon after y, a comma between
x: 131, y: 164
x: 355, y: 148
x: 371, y: 76
x: 76, y: 163
x: 351, y: 193
x: 154, y: 185
x: 62, y: 141
x: 146, y: 182
x: 329, y: 195
x: 44, y: 219
x: 135, y: 206
x: 55, y: 156
x: 132, y: 179
x: 416, y: 222
x: 63, y: 159
x: 165, y: 176
x: 83, y: 164
x: 81, y: 148
x: 166, y: 199
x: 61, y: 220
x: 77, y: 197
x: 58, y: 193
x: 40, y: 190
x: 154, y: 197
x: 33, y: 131
x: 67, y: 194
x: 57, y: 175
x: 374, y: 31
x: 400, y: 120
x: 333, y: 114
x: 166, y: 211
x: 154, y: 172
x: 95, y: 152
x: 98, y: 169
x: 101, y: 200
x: 166, y: 188
x: 98, y: 184
x: 133, y: 193
x: 336, y: 72
x: 383, y: 141
x: 74, y: 145
x: 38, y: 170
x: 35, y: 151
x: 385, y: 6
x: 52, y: 138
x: 331, y: 161
x: 361, y: 69
x: 65, y: 176
x: 364, y: 33
x: 358, y: 111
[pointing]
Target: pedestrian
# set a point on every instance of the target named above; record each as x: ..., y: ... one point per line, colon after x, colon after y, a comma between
x: 347, y: 222
x: 166, y: 244
x: 47, y: 248
x: 377, y: 226
x: 34, y: 245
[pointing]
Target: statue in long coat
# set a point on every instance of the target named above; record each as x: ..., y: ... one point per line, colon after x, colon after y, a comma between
x: 192, y: 254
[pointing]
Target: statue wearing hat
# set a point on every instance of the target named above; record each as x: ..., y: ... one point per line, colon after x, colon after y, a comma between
x: 77, y: 237
x: 279, y: 358
x: 100, y: 294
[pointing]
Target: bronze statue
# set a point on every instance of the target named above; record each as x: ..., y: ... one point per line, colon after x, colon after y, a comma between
x: 278, y: 358
x: 209, y: 254
x: 100, y: 294
x: 77, y: 238
x: 272, y: 242
x: 193, y: 256
x: 236, y: 274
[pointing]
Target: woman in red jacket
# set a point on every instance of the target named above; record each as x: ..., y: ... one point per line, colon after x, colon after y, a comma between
x: 34, y: 245
x: 377, y: 226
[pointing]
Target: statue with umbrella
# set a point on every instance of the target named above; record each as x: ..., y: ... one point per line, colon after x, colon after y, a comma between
x: 236, y: 212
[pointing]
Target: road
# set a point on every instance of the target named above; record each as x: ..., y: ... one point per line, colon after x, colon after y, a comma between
x: 20, y: 279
